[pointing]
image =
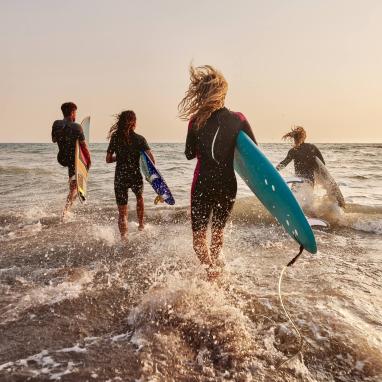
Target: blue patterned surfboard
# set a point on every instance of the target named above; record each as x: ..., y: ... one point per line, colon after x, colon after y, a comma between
x: 153, y: 176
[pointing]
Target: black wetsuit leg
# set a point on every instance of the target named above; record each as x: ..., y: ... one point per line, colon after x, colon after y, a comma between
x: 221, y: 209
x: 217, y: 200
x: 124, y: 180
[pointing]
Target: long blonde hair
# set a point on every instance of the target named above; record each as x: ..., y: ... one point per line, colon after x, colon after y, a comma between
x: 297, y: 133
x: 206, y: 93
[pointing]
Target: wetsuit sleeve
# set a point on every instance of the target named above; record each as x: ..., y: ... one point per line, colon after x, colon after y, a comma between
x: 319, y: 155
x: 79, y: 132
x: 144, y: 145
x: 81, y: 135
x: 286, y: 161
x: 112, y: 145
x: 190, y: 149
x: 246, y: 127
x: 54, y: 133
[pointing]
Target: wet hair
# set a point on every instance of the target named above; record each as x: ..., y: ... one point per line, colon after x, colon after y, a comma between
x: 124, y: 125
x: 297, y: 133
x: 67, y: 108
x: 206, y: 93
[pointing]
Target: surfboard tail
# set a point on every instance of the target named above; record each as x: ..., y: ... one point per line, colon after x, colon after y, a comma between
x: 156, y: 180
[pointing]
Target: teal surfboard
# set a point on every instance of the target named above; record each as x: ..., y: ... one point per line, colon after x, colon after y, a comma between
x: 270, y: 188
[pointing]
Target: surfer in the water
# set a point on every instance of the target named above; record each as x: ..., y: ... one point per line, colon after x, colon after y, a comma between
x: 65, y: 132
x: 211, y: 138
x: 124, y: 148
x: 303, y: 154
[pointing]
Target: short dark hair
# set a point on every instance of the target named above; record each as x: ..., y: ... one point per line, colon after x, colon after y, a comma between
x: 67, y: 108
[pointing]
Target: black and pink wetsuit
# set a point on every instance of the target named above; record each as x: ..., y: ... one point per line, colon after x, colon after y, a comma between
x: 214, y: 186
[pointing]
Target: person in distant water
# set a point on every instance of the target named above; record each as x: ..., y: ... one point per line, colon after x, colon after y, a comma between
x: 211, y: 138
x: 66, y: 132
x: 303, y: 154
x: 124, y: 148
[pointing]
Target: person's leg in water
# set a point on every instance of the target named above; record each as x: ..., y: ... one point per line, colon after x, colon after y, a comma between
x: 138, y: 191
x: 201, y: 247
x: 122, y: 220
x: 217, y: 239
x: 201, y: 209
x: 121, y: 197
x: 71, y: 197
x: 220, y: 214
x: 140, y: 212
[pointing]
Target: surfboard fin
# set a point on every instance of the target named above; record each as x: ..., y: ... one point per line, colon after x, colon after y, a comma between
x: 313, y: 222
x: 158, y: 199
x: 293, y: 179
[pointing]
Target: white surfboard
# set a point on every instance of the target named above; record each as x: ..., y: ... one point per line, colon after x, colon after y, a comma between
x: 328, y: 182
x: 81, y: 164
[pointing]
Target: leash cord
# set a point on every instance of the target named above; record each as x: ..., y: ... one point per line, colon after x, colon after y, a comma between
x: 300, y: 338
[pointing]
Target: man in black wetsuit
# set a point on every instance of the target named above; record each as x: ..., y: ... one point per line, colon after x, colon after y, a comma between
x: 65, y: 132
x: 303, y: 154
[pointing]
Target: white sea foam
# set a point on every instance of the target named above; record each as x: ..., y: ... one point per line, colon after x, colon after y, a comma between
x: 74, y: 349
x: 40, y: 364
x: 105, y: 233
x: 48, y: 295
x: 368, y: 225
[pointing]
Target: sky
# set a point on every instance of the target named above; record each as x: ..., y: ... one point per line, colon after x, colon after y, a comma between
x: 315, y: 63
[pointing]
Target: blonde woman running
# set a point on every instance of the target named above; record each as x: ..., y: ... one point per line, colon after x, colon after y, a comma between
x: 211, y: 138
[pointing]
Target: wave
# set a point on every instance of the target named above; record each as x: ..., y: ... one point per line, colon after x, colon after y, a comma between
x: 250, y: 211
x: 363, y: 209
x: 247, y: 211
x: 15, y: 170
x: 359, y: 177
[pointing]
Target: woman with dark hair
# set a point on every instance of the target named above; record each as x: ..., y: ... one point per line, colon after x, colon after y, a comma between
x: 125, y: 148
x: 211, y: 138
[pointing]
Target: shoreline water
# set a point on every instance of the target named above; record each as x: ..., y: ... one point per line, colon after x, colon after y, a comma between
x: 78, y: 305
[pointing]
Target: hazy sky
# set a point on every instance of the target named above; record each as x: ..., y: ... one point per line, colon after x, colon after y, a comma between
x: 317, y: 63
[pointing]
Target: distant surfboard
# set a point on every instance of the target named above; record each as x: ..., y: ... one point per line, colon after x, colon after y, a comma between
x: 81, y: 164
x: 273, y: 192
x: 153, y: 176
x: 328, y: 182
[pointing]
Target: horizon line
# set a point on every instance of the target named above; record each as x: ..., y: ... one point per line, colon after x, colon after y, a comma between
x: 183, y: 142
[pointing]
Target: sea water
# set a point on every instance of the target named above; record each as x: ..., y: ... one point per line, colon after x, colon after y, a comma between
x: 76, y: 304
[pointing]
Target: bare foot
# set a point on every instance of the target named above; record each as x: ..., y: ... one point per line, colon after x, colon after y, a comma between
x: 66, y: 216
x: 124, y: 238
x: 141, y: 227
x: 214, y: 273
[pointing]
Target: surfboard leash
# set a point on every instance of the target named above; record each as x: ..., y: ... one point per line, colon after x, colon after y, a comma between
x: 297, y: 256
x: 300, y: 338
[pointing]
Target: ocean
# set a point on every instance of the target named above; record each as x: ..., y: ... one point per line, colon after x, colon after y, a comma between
x: 76, y: 304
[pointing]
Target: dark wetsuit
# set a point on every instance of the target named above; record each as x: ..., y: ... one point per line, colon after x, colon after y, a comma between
x: 304, y: 160
x: 66, y: 133
x: 127, y: 171
x: 214, y: 186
